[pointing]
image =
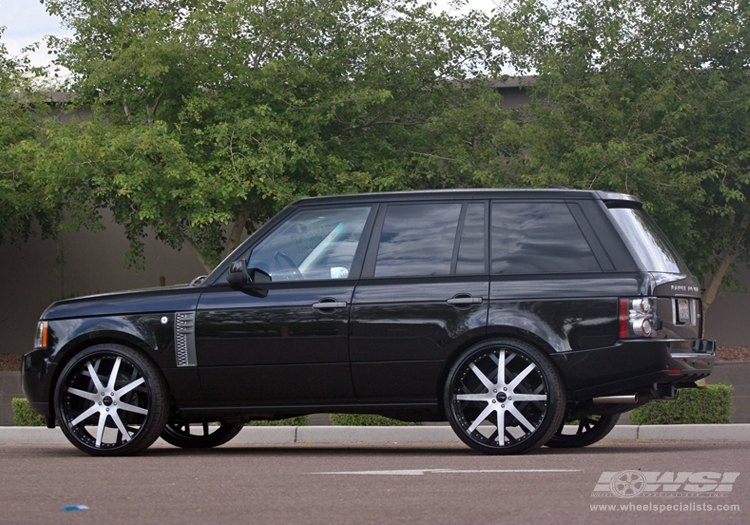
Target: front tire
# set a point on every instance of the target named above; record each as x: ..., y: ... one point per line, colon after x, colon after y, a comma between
x: 111, y: 401
x: 504, y: 396
x: 200, y: 435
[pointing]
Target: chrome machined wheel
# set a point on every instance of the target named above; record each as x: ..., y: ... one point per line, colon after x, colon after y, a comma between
x: 504, y: 397
x: 583, y: 431
x: 110, y: 401
x: 200, y: 435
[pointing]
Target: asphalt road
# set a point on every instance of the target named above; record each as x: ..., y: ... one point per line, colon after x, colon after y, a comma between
x: 431, y: 483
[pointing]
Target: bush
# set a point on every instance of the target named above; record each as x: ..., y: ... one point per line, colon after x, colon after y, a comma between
x: 703, y: 405
x: 24, y: 416
x: 367, y: 420
x: 299, y: 421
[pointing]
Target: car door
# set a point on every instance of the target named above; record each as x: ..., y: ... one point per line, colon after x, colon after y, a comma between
x: 424, y: 290
x: 288, y: 344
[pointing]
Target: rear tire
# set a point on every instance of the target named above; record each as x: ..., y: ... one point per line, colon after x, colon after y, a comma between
x: 589, y: 430
x: 504, y: 396
x: 183, y: 435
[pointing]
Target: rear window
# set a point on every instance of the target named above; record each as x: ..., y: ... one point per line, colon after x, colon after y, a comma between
x: 538, y: 237
x: 649, y: 243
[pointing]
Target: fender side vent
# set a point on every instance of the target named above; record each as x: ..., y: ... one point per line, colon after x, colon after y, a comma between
x: 184, y: 338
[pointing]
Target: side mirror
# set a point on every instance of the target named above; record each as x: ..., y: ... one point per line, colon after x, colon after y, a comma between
x: 241, y: 278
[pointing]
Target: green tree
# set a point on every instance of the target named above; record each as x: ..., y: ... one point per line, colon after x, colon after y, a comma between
x: 23, y: 202
x: 649, y: 97
x: 217, y: 112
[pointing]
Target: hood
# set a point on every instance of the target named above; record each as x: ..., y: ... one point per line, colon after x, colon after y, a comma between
x: 162, y: 299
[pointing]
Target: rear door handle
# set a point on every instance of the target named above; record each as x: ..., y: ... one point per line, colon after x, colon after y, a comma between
x: 464, y: 299
x: 325, y: 304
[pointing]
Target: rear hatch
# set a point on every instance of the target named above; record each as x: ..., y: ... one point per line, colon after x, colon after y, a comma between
x: 676, y: 291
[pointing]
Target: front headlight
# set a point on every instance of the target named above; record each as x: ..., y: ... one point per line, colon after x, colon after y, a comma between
x: 40, y: 339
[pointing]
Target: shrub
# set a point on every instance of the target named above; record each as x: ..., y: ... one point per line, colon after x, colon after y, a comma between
x: 703, y: 405
x: 367, y: 420
x: 299, y: 421
x: 23, y: 415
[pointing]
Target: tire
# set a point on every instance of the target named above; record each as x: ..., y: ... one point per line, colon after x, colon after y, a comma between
x: 111, y: 401
x: 183, y: 434
x: 524, y: 397
x: 589, y: 430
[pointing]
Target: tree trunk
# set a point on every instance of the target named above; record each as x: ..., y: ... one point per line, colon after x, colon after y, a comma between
x: 194, y: 248
x: 236, y: 234
x: 727, y: 258
x: 717, y: 277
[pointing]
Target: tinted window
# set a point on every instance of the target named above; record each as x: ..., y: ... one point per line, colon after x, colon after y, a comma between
x: 417, y: 240
x: 471, y: 252
x: 649, y: 243
x: 312, y: 244
x: 538, y: 238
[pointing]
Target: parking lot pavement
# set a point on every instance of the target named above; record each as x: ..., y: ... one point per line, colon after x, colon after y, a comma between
x: 615, y: 481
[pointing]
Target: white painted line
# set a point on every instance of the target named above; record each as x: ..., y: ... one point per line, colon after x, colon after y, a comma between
x: 422, y: 472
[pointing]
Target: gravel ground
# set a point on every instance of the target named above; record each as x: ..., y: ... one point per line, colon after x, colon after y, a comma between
x: 10, y: 363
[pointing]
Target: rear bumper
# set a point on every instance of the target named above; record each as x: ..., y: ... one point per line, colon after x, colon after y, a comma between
x: 634, y: 366
x: 687, y: 367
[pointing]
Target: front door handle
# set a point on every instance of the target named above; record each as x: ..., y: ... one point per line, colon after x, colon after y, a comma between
x: 464, y: 299
x: 325, y: 304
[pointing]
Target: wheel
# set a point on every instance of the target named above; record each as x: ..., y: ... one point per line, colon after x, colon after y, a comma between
x: 589, y: 430
x: 185, y: 436
x: 111, y: 401
x: 504, y: 397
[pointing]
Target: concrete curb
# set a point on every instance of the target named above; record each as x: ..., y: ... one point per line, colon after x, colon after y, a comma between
x: 407, y: 434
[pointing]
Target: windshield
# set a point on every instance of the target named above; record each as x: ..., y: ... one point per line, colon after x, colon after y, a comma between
x: 649, y: 243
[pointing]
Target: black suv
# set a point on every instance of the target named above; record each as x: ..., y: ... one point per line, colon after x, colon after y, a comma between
x: 506, y: 312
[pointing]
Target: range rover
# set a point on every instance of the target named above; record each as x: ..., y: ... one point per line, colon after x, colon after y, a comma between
x: 505, y: 312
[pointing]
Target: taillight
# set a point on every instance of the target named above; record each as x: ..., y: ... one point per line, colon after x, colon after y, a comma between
x: 637, y: 317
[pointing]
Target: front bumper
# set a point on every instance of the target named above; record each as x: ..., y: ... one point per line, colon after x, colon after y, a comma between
x: 37, y: 373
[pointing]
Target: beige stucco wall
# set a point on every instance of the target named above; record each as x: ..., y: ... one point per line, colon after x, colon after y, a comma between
x: 94, y: 263
x: 728, y: 319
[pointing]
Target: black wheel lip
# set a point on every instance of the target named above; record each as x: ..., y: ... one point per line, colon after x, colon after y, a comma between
x: 466, y: 424
x: 132, y: 357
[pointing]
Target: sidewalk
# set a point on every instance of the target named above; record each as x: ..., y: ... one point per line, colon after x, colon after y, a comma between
x: 413, y: 434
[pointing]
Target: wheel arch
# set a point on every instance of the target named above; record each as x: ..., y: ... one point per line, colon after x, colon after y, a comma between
x: 88, y: 340
x: 494, y: 332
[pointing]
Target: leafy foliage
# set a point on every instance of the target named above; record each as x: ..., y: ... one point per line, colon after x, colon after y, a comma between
x: 23, y: 415
x: 367, y: 420
x: 648, y: 97
x: 298, y: 421
x: 224, y: 111
x: 699, y: 406
x: 22, y: 112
